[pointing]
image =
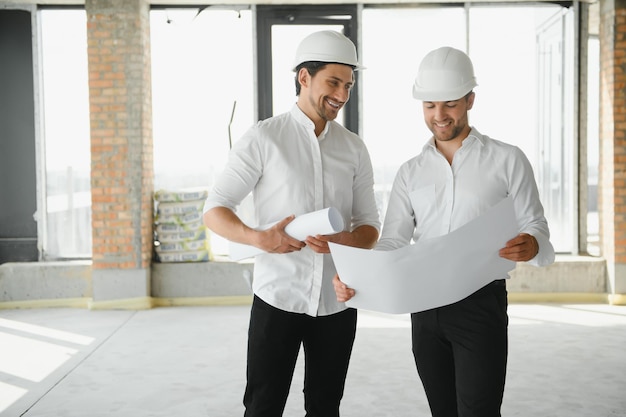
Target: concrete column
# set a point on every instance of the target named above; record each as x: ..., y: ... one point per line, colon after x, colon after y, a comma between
x: 121, y: 149
x: 612, y: 198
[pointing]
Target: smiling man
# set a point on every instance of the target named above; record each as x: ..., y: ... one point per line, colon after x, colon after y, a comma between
x: 461, y: 349
x: 295, y: 163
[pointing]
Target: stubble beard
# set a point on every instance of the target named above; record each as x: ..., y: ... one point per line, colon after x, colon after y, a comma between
x: 456, y: 131
x: 323, y: 113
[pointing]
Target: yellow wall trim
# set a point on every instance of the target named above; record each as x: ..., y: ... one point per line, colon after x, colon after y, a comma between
x: 233, y: 300
x: 142, y: 303
x: 145, y: 303
x: 617, y: 299
x: 50, y: 303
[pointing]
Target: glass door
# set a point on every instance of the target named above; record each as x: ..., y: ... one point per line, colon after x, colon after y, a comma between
x: 556, y: 173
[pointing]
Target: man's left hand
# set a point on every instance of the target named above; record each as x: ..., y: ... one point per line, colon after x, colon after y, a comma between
x: 319, y: 243
x: 521, y: 248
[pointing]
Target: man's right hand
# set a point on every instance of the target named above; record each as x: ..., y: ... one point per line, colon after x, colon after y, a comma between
x: 344, y: 293
x: 276, y: 240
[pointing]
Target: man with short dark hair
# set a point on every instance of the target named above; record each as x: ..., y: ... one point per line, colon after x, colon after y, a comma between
x: 295, y: 163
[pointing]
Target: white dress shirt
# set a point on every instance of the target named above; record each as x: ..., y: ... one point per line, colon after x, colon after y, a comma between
x: 431, y: 197
x: 291, y: 171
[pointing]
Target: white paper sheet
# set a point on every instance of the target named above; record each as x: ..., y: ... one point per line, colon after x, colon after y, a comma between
x: 433, y: 272
x: 322, y: 222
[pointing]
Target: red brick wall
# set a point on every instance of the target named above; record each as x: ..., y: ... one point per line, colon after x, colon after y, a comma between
x: 121, y: 133
x: 619, y: 131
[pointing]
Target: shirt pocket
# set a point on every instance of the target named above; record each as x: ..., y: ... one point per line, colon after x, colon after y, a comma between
x: 424, y: 203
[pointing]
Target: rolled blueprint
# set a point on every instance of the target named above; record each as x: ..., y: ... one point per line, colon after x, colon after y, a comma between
x: 322, y: 222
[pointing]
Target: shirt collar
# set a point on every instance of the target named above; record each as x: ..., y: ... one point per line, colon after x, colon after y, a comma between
x: 304, y: 120
x: 474, y: 135
x: 300, y: 117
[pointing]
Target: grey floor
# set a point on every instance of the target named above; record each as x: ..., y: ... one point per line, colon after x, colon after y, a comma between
x: 564, y: 360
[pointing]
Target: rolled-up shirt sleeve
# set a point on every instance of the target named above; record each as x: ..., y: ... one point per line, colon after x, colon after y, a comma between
x: 528, y: 207
x: 242, y: 172
x: 364, y: 209
x: 399, y: 223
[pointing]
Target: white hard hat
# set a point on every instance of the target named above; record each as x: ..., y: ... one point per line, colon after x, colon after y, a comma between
x: 445, y: 74
x: 327, y: 46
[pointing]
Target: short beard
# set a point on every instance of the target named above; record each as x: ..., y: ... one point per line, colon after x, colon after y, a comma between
x: 455, y: 133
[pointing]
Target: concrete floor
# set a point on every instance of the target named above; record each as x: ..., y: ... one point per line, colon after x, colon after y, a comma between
x: 565, y: 360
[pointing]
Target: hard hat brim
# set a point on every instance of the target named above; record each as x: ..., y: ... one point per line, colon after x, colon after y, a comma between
x: 425, y: 94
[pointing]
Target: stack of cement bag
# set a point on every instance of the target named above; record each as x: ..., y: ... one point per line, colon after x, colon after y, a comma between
x: 180, y: 235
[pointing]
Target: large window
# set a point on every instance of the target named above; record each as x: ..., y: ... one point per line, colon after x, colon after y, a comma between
x: 206, y: 86
x: 202, y: 89
x: 202, y: 95
x: 393, y: 125
x: 65, y: 110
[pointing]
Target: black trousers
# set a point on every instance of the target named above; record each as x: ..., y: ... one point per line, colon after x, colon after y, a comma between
x: 274, y: 339
x: 461, y: 353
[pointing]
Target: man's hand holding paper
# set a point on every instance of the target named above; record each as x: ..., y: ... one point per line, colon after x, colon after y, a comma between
x: 344, y: 293
x: 289, y: 234
x: 276, y: 239
x: 363, y: 236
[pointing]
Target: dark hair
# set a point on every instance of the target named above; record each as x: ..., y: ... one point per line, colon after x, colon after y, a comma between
x: 313, y: 67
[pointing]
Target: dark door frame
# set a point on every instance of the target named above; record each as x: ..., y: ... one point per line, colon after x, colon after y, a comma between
x: 18, y: 169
